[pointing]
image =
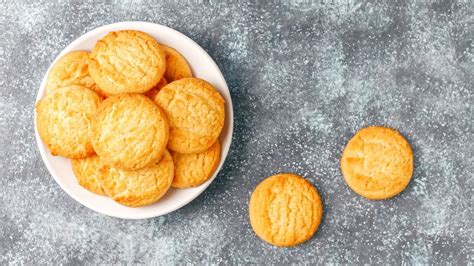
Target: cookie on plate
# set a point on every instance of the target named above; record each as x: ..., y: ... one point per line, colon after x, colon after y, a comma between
x: 129, y: 131
x: 86, y: 171
x: 377, y: 163
x: 196, y: 114
x: 63, y: 120
x: 193, y: 169
x: 140, y: 187
x: 71, y: 69
x: 127, y: 61
x: 285, y: 210
x: 154, y: 91
x: 176, y: 65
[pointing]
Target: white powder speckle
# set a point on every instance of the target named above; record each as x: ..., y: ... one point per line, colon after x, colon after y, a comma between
x: 304, y: 77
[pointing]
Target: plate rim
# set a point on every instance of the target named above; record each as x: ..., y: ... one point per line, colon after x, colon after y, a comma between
x: 124, y: 24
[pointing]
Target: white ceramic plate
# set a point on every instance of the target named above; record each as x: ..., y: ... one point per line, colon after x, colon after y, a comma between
x: 202, y: 66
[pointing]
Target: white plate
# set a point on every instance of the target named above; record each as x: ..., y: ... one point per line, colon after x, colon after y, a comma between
x: 203, y: 67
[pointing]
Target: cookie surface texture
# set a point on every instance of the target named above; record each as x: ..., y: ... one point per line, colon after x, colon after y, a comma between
x: 71, y: 69
x: 140, y: 187
x: 193, y: 169
x: 176, y: 65
x: 154, y: 91
x: 285, y: 210
x: 196, y: 114
x: 63, y: 120
x: 86, y: 171
x: 127, y: 62
x: 129, y: 131
x: 377, y: 163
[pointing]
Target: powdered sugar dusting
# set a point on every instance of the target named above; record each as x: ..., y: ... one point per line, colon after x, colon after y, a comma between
x: 304, y: 78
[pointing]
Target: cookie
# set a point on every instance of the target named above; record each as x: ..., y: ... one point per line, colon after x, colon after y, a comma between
x: 191, y: 170
x: 127, y: 61
x: 285, y: 210
x: 140, y: 187
x: 63, y: 120
x: 196, y: 114
x: 377, y: 163
x: 176, y: 65
x: 71, y: 69
x: 86, y: 171
x: 154, y: 91
x: 129, y: 131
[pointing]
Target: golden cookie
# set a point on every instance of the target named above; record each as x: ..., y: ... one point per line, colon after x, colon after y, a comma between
x: 140, y: 187
x: 196, y: 114
x: 285, y: 210
x: 71, y: 69
x: 129, y: 131
x: 191, y: 170
x: 86, y: 171
x: 176, y: 65
x: 127, y: 61
x: 154, y: 91
x: 377, y: 163
x: 63, y: 120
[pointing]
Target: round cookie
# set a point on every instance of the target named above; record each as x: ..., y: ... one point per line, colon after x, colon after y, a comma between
x: 196, y: 114
x: 129, y: 131
x: 127, y: 61
x: 63, y: 120
x: 86, y: 171
x: 140, y: 187
x: 377, y: 163
x: 154, y: 91
x: 176, y: 65
x: 71, y: 69
x: 285, y: 210
x: 191, y: 170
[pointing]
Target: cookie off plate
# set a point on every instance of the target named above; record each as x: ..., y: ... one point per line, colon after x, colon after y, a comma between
x: 202, y: 65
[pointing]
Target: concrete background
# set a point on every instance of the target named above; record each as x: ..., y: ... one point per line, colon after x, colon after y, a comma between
x: 304, y: 78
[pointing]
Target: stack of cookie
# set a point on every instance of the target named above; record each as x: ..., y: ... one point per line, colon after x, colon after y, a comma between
x: 132, y: 119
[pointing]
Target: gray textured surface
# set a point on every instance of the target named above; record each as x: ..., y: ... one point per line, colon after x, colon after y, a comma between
x: 303, y: 79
